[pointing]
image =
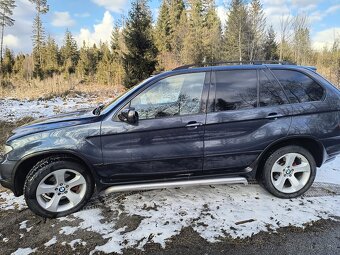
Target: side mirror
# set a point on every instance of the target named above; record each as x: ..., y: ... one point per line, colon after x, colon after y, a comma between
x: 129, y: 115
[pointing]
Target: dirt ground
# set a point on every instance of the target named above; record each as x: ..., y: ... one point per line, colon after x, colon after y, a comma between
x: 321, y: 237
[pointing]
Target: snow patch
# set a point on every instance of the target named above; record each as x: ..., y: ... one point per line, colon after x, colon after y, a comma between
x: 12, y: 109
x: 76, y: 242
x: 23, y: 225
x: 9, y: 202
x: 51, y: 242
x: 329, y: 172
x: 24, y: 251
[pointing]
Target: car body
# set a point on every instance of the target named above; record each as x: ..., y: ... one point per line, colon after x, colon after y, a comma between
x: 266, y: 108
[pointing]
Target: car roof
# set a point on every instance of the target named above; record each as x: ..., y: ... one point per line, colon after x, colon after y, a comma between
x: 239, y: 67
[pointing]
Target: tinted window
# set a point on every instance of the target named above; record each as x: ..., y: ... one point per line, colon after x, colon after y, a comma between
x: 271, y: 92
x: 176, y: 95
x: 299, y: 87
x: 236, y: 90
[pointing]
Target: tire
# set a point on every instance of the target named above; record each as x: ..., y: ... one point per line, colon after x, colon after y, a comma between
x: 57, y: 186
x: 289, y: 172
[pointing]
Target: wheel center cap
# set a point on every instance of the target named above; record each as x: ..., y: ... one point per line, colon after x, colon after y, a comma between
x: 61, y: 189
x: 288, y: 171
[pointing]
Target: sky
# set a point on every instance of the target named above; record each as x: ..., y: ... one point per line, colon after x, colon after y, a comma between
x: 93, y: 20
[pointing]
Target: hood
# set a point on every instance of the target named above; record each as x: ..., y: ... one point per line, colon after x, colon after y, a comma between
x: 54, y: 122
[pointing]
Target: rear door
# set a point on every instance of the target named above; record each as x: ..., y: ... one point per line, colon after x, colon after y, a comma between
x: 247, y: 111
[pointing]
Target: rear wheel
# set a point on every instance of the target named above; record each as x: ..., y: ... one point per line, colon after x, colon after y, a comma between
x: 289, y: 172
x: 57, y: 186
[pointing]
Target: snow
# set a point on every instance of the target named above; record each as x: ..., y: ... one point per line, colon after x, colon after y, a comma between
x: 9, y: 202
x: 329, y: 172
x: 76, y: 242
x: 213, y: 212
x: 51, y: 242
x: 23, y: 251
x: 23, y: 225
x: 12, y: 109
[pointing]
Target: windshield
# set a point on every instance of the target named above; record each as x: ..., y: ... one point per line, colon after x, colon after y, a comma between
x: 122, y: 96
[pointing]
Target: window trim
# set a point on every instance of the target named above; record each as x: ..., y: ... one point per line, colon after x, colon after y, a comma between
x: 277, y: 82
x: 205, y: 91
x: 304, y: 73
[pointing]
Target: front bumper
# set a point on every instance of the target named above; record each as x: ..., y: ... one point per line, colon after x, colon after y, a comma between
x: 6, y: 173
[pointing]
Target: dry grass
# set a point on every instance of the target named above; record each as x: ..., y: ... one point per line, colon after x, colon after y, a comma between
x: 57, y: 86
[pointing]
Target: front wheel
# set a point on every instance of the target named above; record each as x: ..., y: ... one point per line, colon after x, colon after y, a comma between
x: 289, y: 172
x: 57, y: 186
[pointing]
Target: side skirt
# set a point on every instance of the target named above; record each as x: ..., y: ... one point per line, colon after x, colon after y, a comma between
x: 176, y: 184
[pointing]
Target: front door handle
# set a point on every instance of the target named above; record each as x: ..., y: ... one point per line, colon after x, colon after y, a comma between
x: 274, y: 115
x: 194, y: 124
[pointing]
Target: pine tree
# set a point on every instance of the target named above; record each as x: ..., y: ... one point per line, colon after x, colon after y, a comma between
x: 178, y: 23
x: 193, y: 49
x: 38, y: 35
x: 140, y: 60
x: 236, y: 31
x: 104, y: 72
x: 117, y: 45
x: 270, y: 48
x: 212, y: 32
x: 69, y: 53
x: 256, y: 33
x: 6, y: 11
x: 162, y: 31
x: 8, y: 62
x: 51, y: 57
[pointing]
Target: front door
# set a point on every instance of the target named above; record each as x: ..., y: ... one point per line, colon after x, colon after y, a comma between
x: 168, y: 139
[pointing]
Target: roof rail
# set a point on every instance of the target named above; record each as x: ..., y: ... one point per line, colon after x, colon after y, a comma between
x: 252, y: 62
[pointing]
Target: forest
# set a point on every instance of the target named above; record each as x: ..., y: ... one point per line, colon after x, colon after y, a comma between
x: 185, y: 32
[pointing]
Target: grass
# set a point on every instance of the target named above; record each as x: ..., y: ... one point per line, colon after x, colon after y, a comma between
x: 56, y: 86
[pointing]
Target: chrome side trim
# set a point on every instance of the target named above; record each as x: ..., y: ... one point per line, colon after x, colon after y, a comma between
x: 176, y: 184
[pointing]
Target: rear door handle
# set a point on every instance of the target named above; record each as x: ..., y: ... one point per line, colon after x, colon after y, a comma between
x: 274, y: 115
x: 194, y: 124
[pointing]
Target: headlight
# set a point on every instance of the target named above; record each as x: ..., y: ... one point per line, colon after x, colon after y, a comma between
x: 7, y: 149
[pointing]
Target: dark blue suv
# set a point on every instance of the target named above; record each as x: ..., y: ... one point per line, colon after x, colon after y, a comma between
x: 191, y: 126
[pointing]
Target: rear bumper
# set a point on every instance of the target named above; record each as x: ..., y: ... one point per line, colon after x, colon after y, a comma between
x: 6, y: 173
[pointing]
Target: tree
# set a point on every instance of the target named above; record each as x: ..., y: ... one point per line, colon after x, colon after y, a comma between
x: 285, y: 34
x: 236, y: 31
x: 140, y: 60
x: 38, y: 37
x: 301, y: 39
x: 270, y: 46
x: 51, y: 57
x: 69, y: 53
x: 8, y: 62
x: 212, y: 32
x: 6, y: 11
x: 162, y: 31
x: 256, y: 34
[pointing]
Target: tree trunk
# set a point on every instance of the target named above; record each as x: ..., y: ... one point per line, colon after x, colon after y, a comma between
x: 2, y: 41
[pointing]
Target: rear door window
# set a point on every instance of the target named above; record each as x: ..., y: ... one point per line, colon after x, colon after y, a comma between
x: 271, y: 93
x: 236, y: 90
x: 299, y: 87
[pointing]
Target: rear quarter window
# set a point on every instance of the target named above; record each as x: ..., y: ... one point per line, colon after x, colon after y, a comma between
x: 299, y: 87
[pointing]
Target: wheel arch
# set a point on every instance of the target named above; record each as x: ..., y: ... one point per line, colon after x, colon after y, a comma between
x: 23, y: 167
x: 309, y: 143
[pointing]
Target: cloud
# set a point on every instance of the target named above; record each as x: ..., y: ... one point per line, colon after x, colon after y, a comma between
x: 82, y: 15
x: 222, y: 14
x: 101, y: 31
x: 11, y: 41
x: 112, y: 5
x: 325, y: 38
x: 19, y: 35
x: 62, y: 19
